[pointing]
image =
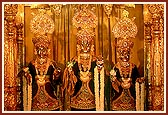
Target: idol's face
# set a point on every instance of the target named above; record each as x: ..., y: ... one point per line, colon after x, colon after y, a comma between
x: 85, y: 47
x: 124, y: 55
x: 42, y: 52
x: 85, y: 61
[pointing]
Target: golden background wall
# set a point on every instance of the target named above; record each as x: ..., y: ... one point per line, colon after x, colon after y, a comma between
x: 63, y: 47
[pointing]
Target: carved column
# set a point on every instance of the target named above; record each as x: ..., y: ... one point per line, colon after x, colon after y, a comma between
x: 20, y: 62
x: 161, y: 44
x: 148, y: 65
x: 158, y: 56
x: 10, y: 54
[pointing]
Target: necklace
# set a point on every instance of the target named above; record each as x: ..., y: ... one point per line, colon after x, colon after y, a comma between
x: 85, y: 76
x: 41, y: 68
x: 125, y: 69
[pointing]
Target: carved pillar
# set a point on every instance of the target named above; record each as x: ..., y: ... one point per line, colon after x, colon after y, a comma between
x: 20, y: 62
x: 148, y: 65
x: 161, y: 45
x: 10, y: 54
x: 157, y: 89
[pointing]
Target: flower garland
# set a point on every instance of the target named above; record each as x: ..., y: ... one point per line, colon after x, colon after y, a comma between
x: 137, y: 96
x: 140, y: 87
x: 25, y: 95
x: 102, y: 89
x: 27, y: 90
x: 30, y: 95
x: 142, y: 96
x: 96, y: 87
x: 99, y: 97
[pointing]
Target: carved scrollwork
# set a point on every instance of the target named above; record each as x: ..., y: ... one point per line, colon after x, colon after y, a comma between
x: 156, y: 8
x: 10, y: 9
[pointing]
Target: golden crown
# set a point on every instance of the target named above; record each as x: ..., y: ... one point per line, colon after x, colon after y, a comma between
x: 42, y: 24
x: 125, y: 27
x: 85, y: 19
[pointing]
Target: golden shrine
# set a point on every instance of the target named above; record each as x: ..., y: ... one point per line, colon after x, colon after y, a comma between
x: 80, y: 38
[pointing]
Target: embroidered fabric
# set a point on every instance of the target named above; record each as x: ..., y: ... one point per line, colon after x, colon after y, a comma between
x: 125, y: 102
x: 43, y: 102
x: 84, y: 98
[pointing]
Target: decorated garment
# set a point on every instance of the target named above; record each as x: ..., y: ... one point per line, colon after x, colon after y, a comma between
x: 80, y: 88
x: 45, y: 88
x: 123, y: 90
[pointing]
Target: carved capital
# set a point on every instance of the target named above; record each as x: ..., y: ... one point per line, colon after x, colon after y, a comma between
x: 156, y: 10
x: 108, y: 9
x: 56, y: 8
x: 10, y: 9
